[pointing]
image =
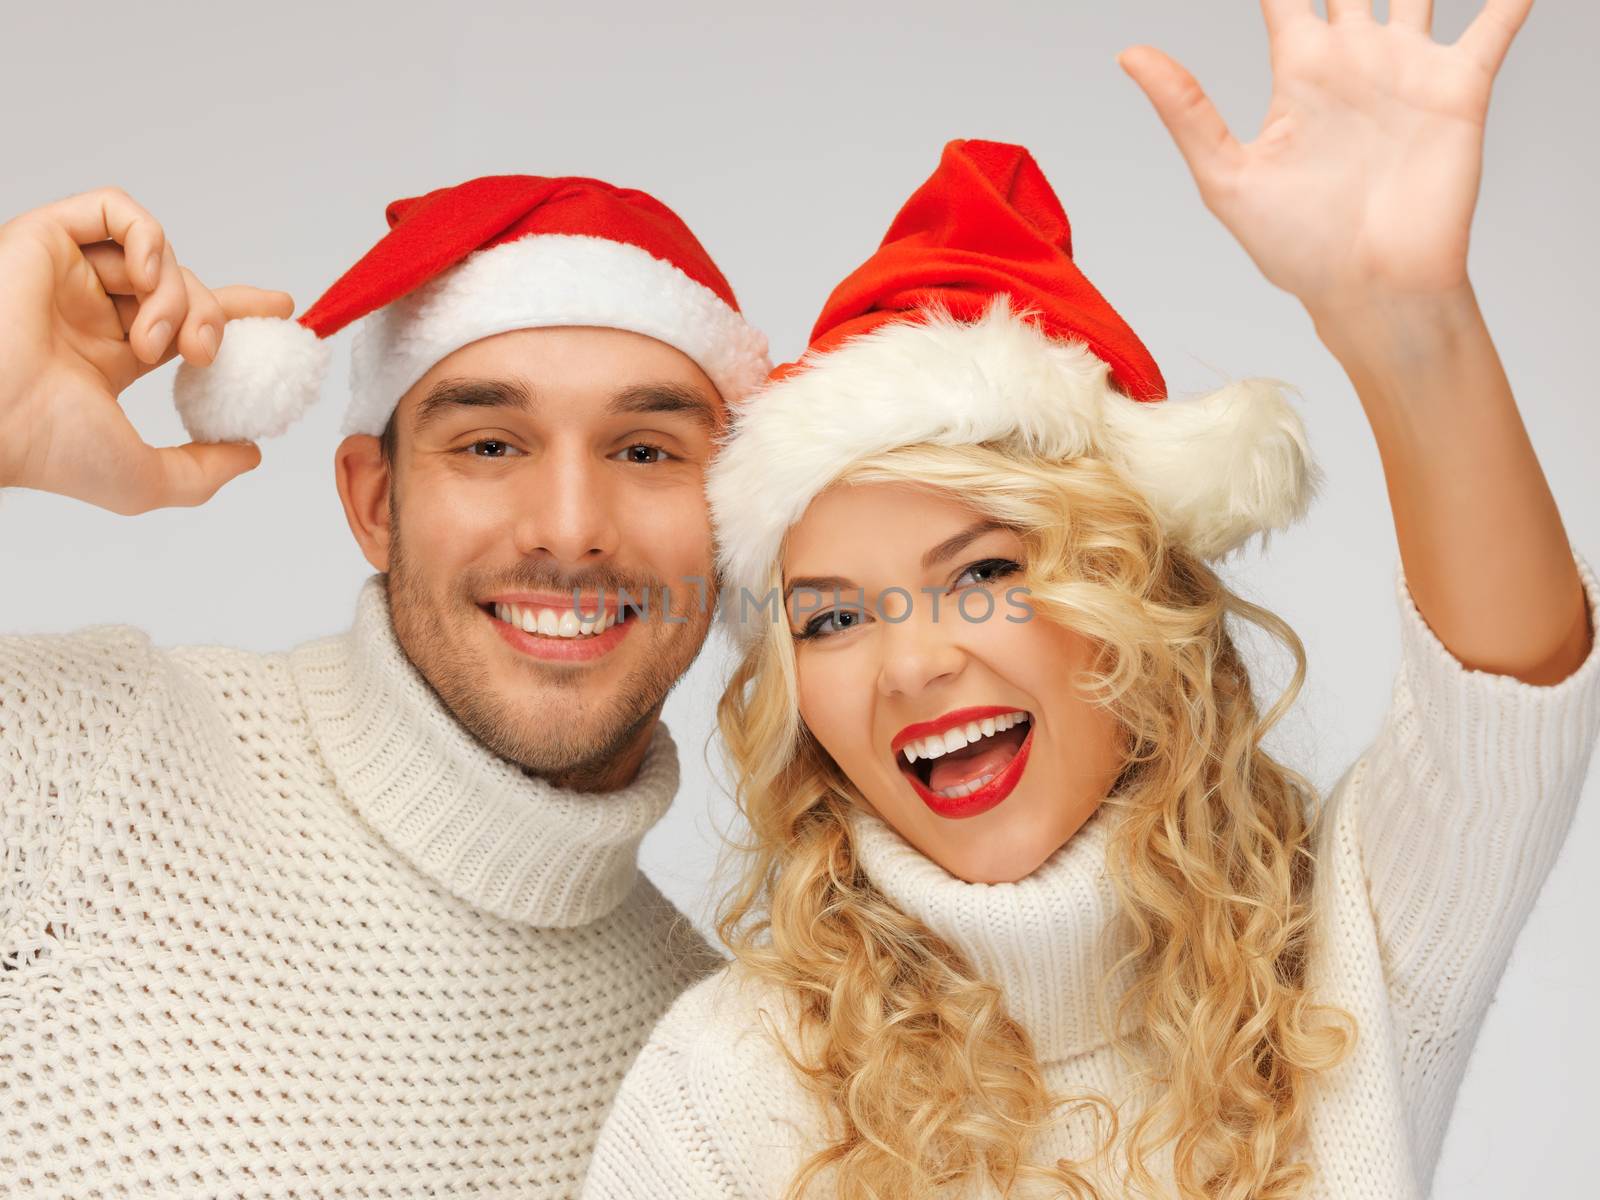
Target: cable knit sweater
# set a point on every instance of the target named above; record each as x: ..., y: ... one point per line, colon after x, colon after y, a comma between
x: 276, y: 925
x: 1438, y: 840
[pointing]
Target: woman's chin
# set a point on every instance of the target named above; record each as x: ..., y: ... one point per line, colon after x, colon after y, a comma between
x: 996, y: 850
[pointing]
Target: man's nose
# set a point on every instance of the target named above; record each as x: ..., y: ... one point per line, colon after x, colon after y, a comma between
x: 569, y: 514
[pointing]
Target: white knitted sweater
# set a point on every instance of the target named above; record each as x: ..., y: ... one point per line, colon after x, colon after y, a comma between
x: 276, y: 925
x: 1440, y: 837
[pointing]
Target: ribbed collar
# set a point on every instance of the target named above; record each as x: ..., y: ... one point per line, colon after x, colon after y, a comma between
x: 505, y: 841
x: 1039, y: 939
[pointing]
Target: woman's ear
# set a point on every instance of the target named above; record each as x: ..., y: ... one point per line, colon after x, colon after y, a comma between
x: 362, y: 472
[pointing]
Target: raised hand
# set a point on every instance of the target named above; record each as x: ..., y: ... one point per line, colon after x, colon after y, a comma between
x: 1364, y: 176
x: 91, y: 298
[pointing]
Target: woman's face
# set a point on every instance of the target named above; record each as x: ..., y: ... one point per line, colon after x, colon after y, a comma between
x: 916, y: 638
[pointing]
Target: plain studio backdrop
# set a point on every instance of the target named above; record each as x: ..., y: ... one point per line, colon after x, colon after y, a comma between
x: 268, y: 139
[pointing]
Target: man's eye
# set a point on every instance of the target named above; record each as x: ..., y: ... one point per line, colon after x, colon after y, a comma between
x: 490, y: 448
x: 989, y: 570
x: 645, y: 454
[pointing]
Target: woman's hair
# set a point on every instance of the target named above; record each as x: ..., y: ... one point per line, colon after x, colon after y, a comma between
x: 923, y: 1077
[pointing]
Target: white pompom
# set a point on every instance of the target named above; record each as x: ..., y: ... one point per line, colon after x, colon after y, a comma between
x: 267, y: 372
x: 1219, y: 468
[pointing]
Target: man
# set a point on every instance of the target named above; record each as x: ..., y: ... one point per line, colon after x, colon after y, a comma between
x: 362, y: 918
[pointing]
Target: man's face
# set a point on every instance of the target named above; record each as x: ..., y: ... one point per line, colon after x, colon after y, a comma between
x: 526, y: 467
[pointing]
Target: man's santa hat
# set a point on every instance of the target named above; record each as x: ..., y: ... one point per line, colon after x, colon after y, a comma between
x: 463, y: 263
x: 971, y: 324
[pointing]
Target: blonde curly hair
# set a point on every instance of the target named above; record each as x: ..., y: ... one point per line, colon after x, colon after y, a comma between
x: 925, y: 1079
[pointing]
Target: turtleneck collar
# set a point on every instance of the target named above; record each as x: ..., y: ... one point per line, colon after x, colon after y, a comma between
x: 1039, y: 939
x: 504, y: 841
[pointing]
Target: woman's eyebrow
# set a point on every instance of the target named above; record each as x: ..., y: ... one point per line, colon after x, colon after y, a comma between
x: 945, y: 549
x: 821, y: 583
x: 954, y: 545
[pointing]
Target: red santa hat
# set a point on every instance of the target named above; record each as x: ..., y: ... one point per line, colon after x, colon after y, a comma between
x: 463, y: 263
x: 971, y: 324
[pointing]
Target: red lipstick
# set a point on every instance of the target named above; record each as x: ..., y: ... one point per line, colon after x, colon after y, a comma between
x: 991, y: 793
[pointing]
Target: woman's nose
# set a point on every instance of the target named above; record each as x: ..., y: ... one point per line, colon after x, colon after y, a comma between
x: 918, y: 652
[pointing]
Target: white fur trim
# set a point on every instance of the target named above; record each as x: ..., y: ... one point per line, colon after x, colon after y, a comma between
x: 541, y: 281
x: 1217, y: 468
x: 267, y: 372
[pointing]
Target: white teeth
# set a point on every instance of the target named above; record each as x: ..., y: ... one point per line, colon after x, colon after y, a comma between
x: 549, y: 622
x: 939, y: 744
x: 965, y: 789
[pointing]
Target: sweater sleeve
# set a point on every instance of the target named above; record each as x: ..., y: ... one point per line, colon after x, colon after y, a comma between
x: 710, y: 1107
x: 1467, y: 795
x: 655, y: 1141
x: 65, y: 700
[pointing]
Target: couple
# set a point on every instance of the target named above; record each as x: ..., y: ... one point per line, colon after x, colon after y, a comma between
x: 1024, y: 905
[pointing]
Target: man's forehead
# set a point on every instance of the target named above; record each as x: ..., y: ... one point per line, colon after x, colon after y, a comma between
x: 568, y: 370
x: 674, y: 398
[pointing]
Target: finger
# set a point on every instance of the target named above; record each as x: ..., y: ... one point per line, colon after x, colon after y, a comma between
x: 127, y: 312
x: 1280, y: 14
x: 1489, y: 36
x: 110, y: 263
x: 111, y: 214
x: 1344, y: 10
x: 1416, y: 14
x: 201, y: 331
x: 174, y: 476
x: 239, y: 300
x: 1185, y: 109
x: 231, y: 302
x: 161, y: 312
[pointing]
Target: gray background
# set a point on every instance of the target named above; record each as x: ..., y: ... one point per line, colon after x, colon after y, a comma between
x: 268, y: 139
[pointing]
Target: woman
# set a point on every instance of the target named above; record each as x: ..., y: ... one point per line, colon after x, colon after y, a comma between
x: 1027, y: 909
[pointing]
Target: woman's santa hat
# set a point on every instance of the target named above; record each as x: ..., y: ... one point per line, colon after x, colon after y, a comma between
x: 971, y: 324
x: 463, y: 263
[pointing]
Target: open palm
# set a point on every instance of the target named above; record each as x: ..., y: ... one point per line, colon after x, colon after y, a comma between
x: 1365, y: 172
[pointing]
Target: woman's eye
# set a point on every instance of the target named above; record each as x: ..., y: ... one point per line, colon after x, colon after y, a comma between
x: 645, y: 454
x: 988, y: 570
x: 839, y: 618
x: 490, y: 448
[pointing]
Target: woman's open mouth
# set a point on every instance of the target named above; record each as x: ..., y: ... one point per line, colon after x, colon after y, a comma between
x: 967, y: 761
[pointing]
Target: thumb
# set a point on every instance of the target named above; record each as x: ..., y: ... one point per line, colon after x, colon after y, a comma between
x: 192, y: 474
x: 1184, y: 108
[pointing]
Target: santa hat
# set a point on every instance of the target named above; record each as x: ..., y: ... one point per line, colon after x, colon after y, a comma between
x: 971, y: 324
x: 460, y: 264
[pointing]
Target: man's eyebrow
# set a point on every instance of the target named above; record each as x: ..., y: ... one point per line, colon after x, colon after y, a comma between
x: 954, y: 545
x: 470, y: 393
x: 665, y: 398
